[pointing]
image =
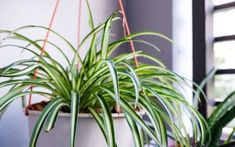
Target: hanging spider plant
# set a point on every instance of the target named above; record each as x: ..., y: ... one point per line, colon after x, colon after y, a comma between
x: 105, y: 83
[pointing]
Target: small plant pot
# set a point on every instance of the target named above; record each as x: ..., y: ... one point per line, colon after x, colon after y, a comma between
x: 88, y: 131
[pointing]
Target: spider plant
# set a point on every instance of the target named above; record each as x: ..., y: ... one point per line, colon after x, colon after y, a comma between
x: 220, y: 117
x: 103, y: 82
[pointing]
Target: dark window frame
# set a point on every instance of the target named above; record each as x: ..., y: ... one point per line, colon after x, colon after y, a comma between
x: 200, y: 43
x: 199, y: 48
x: 224, y: 6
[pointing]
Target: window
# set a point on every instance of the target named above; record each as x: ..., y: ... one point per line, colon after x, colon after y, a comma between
x: 224, y: 47
x: 214, y: 46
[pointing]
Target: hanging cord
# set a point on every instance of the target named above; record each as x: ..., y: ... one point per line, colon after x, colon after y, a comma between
x: 127, y: 31
x: 42, y: 52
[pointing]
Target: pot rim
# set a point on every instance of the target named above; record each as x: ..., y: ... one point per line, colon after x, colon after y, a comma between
x: 85, y: 115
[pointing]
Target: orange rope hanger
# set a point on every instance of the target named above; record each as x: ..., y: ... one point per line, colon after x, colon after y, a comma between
x: 126, y: 30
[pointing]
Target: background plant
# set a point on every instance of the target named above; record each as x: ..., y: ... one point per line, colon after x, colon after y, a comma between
x: 220, y: 117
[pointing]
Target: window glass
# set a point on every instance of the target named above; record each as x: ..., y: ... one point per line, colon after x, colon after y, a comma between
x: 224, y: 54
x: 224, y: 22
x: 224, y: 85
x: 219, y: 2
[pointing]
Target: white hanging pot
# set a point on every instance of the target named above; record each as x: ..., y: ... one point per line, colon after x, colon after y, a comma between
x: 88, y: 131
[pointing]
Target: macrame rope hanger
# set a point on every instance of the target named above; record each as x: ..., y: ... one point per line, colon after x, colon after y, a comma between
x: 126, y: 30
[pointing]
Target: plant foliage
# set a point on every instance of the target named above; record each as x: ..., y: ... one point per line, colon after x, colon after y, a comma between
x: 220, y: 117
x: 104, y: 82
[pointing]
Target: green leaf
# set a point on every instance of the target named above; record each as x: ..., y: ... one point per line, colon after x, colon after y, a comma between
x: 135, y: 80
x: 99, y: 121
x: 105, y: 38
x: 220, y: 117
x: 199, y: 89
x: 114, y: 45
x: 130, y: 112
x: 136, y: 86
x: 135, y: 132
x: 156, y: 120
x: 108, y: 122
x: 38, y: 126
x: 75, y: 101
x: 16, y: 93
x: 114, y: 75
x: 91, y: 21
x: 51, y: 119
x: 53, y: 72
x: 159, y: 98
x: 60, y: 50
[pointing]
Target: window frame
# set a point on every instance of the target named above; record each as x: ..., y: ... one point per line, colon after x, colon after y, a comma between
x: 203, y: 41
x: 199, y: 48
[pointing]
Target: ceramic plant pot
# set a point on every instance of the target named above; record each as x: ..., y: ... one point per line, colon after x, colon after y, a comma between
x: 88, y: 131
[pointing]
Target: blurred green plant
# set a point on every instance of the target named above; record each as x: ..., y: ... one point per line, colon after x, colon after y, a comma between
x: 220, y: 117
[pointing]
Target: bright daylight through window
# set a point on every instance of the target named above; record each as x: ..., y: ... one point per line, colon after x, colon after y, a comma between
x: 224, y: 47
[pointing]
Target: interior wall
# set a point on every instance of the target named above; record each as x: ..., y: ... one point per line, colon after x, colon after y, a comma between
x: 152, y: 15
x: 183, y: 45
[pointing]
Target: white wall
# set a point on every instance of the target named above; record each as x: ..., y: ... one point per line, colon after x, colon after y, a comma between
x: 182, y: 37
x: 183, y: 47
x: 15, y: 13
